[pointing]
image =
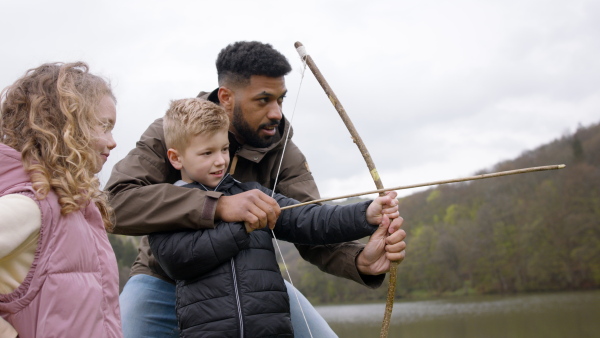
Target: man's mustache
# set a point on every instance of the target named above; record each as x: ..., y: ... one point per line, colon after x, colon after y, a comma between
x: 272, y: 123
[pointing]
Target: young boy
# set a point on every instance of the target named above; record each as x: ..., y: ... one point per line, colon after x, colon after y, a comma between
x: 228, y: 280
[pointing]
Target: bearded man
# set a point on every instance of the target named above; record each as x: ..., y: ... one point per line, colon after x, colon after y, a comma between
x: 251, y: 89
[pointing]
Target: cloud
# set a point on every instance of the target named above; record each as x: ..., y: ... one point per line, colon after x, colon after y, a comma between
x: 436, y: 89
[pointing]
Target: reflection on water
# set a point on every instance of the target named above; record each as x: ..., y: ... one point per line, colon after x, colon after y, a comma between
x: 541, y: 315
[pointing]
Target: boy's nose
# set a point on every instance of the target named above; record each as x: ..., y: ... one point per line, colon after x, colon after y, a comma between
x: 220, y: 160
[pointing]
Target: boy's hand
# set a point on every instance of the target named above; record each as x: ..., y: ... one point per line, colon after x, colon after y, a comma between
x: 256, y: 209
x: 383, y: 205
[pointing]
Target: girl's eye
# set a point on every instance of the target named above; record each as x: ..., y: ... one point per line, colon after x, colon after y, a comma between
x: 105, y: 126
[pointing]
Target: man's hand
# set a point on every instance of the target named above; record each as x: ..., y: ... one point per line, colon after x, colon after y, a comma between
x: 383, y: 205
x: 382, y: 249
x: 256, y: 209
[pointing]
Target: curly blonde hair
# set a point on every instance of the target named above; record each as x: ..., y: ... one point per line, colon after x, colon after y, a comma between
x: 187, y: 118
x: 49, y: 115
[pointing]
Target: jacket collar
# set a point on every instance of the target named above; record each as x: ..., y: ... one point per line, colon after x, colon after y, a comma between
x: 226, y: 183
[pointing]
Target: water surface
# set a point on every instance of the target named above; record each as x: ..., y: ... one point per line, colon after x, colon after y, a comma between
x: 569, y: 314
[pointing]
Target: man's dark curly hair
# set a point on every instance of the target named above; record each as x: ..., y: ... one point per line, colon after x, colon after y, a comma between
x: 242, y: 59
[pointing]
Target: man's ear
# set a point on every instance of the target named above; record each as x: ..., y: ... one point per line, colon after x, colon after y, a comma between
x: 226, y: 98
x: 173, y: 156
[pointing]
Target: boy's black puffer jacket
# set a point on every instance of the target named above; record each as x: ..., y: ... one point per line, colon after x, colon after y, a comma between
x: 228, y: 281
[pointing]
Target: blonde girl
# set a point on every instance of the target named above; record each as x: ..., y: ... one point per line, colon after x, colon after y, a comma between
x: 58, y: 273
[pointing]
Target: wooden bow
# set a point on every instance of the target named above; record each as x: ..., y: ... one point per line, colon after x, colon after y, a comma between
x: 377, y: 180
x: 369, y: 161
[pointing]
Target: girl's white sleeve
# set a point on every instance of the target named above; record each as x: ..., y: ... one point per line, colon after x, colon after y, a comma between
x: 6, y: 330
x: 20, y: 222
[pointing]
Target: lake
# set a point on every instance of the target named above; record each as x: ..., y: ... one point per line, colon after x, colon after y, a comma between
x: 548, y: 315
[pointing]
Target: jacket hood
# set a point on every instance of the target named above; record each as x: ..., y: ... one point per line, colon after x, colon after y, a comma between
x: 11, y: 168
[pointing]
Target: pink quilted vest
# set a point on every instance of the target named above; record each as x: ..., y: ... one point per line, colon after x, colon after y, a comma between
x: 72, y: 288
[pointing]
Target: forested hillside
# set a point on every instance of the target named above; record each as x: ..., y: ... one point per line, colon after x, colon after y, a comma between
x: 530, y: 232
x: 522, y: 233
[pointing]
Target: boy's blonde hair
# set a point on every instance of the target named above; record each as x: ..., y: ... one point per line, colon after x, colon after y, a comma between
x: 49, y: 115
x: 187, y: 118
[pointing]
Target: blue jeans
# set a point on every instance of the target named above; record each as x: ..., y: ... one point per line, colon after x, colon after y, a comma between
x: 148, y: 310
x: 318, y: 325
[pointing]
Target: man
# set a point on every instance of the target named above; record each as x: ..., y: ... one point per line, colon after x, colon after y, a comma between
x: 251, y: 89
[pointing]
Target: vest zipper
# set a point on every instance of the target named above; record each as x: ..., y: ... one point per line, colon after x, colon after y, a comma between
x: 237, y: 299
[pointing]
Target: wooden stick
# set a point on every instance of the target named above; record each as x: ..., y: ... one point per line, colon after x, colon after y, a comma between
x: 368, y: 160
x: 456, y: 180
x: 342, y: 112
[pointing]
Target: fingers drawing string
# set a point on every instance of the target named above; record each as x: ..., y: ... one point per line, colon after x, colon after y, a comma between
x: 287, y: 137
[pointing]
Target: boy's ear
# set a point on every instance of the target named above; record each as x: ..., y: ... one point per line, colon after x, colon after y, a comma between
x: 173, y: 156
x: 226, y: 98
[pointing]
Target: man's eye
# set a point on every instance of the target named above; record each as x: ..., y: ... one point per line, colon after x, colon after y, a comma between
x: 263, y: 100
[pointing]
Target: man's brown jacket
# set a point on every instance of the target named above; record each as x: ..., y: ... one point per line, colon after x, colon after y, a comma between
x: 145, y: 200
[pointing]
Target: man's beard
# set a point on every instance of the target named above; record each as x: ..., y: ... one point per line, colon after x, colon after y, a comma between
x: 250, y: 136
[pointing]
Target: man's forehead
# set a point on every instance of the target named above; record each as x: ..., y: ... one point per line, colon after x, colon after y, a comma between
x: 265, y: 85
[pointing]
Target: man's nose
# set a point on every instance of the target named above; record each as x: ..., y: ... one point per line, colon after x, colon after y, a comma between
x: 275, y: 112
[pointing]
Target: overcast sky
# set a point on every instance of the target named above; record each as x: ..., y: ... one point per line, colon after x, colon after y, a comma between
x: 437, y: 89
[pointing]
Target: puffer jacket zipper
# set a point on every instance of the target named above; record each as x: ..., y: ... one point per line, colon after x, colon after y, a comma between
x: 237, y: 298
x: 234, y: 274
